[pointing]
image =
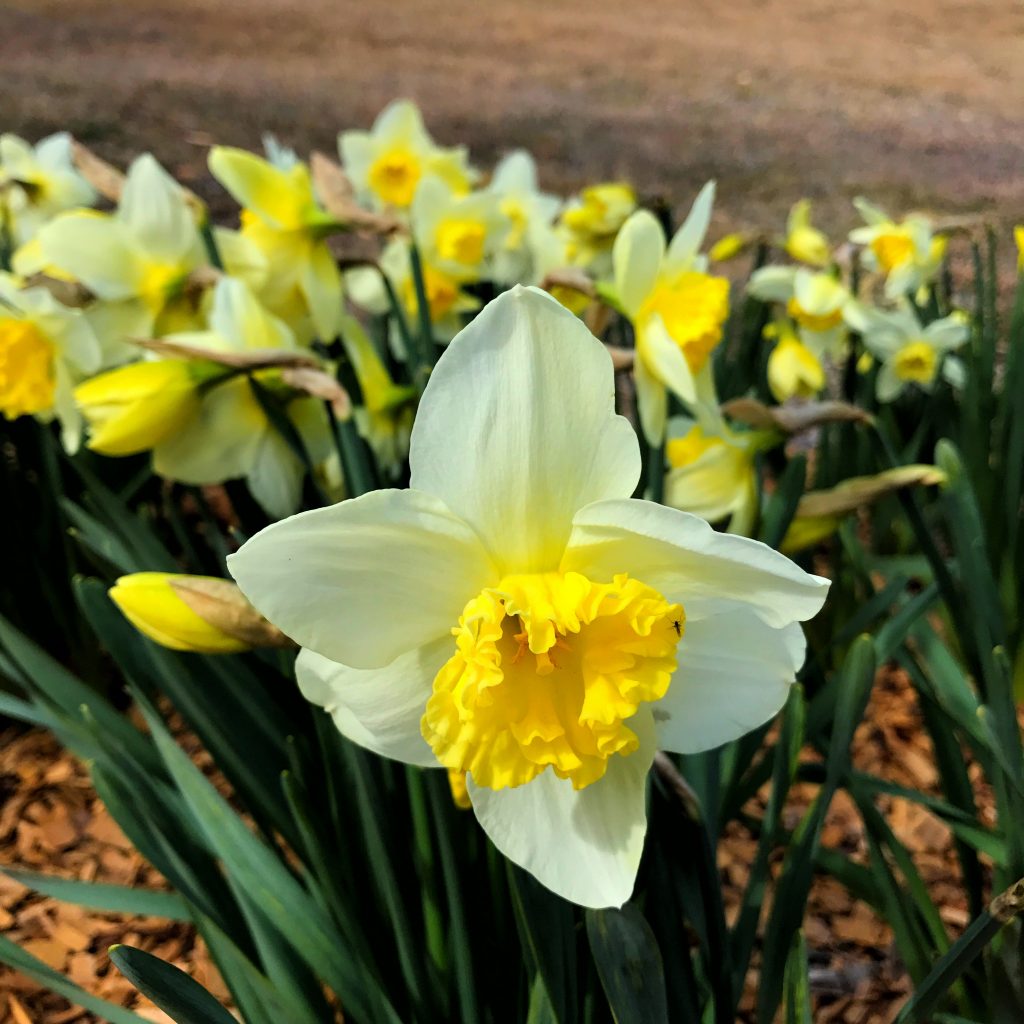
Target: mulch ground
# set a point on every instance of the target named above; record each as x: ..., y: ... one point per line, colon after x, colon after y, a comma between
x: 51, y: 820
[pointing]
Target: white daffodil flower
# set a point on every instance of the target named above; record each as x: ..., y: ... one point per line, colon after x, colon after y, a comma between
x: 677, y: 309
x: 137, y: 260
x: 230, y: 435
x: 38, y: 182
x: 909, y: 353
x: 457, y: 234
x: 387, y: 163
x: 45, y: 349
x: 516, y: 616
x: 909, y: 253
x: 529, y: 212
x: 814, y: 300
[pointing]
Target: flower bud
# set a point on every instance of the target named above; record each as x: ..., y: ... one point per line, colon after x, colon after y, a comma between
x: 202, y: 614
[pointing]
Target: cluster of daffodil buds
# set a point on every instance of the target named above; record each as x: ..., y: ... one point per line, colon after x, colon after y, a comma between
x: 475, y: 341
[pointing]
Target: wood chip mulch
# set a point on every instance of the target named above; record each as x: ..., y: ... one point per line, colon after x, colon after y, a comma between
x: 51, y: 820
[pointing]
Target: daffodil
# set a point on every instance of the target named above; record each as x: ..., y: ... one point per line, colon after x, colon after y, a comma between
x: 677, y: 309
x: 711, y: 470
x: 803, y: 241
x: 45, y: 348
x: 38, y: 182
x: 457, y: 234
x: 591, y: 221
x: 908, y: 352
x: 528, y: 212
x: 795, y: 370
x: 909, y: 253
x: 229, y: 433
x: 282, y: 218
x: 1018, y: 239
x: 136, y: 261
x: 814, y: 300
x: 201, y: 614
x: 516, y: 616
x: 387, y: 163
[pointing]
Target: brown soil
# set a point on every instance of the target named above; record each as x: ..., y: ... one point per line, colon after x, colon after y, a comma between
x: 917, y: 103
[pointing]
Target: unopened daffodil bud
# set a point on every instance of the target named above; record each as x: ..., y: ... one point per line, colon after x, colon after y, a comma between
x: 134, y: 407
x: 729, y: 247
x: 201, y: 614
x: 804, y: 242
x: 806, y: 531
x: 794, y: 371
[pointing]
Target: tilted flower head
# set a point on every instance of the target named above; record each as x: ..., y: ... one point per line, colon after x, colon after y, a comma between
x: 909, y: 353
x: 590, y: 222
x: 45, y: 348
x: 515, y: 615
x: 794, y: 369
x: 803, y: 241
x: 814, y: 300
x: 41, y: 181
x: 908, y: 252
x: 138, y: 258
x: 229, y: 434
x: 677, y: 309
x: 282, y: 218
x: 387, y: 163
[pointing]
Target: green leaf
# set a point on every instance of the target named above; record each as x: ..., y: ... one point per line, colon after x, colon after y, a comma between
x: 797, y: 984
x: 781, y: 507
x: 629, y: 965
x: 179, y: 996
x: 14, y: 956
x: 116, y: 899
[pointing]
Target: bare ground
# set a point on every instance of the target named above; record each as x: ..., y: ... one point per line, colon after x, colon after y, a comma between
x: 915, y: 103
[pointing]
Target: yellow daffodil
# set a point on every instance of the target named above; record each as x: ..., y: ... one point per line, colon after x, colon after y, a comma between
x: 794, y: 369
x: 457, y: 234
x: 134, y: 407
x: 227, y: 434
x: 527, y: 211
x: 201, y: 614
x: 38, y: 182
x: 1018, y: 238
x: 815, y: 301
x: 138, y: 260
x: 282, y: 218
x: 677, y: 309
x: 591, y: 221
x: 908, y: 352
x: 388, y: 163
x: 45, y: 348
x: 908, y: 252
x: 803, y: 241
x: 515, y: 615
x: 385, y: 417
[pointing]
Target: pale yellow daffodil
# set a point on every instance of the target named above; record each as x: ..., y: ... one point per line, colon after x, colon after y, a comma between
x: 282, y: 218
x: 388, y: 163
x: 38, y: 182
x: 1018, y: 239
x: 908, y: 253
x: 136, y: 261
x: 516, y: 616
x: 45, y: 349
x: 677, y: 309
x: 591, y: 221
x: 803, y: 241
x: 908, y: 352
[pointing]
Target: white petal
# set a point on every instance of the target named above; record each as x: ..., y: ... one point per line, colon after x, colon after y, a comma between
x: 365, y: 580
x: 954, y: 372
x: 887, y: 384
x: 948, y: 333
x: 517, y: 429
x: 734, y: 674
x: 651, y: 402
x: 678, y: 554
x: 95, y: 249
x: 275, y: 478
x: 378, y: 708
x: 665, y: 359
x: 154, y: 209
x: 690, y: 237
x: 772, y: 284
x: 583, y: 845
x: 636, y: 259
x: 320, y: 283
